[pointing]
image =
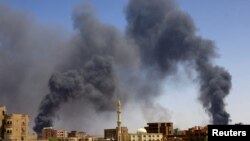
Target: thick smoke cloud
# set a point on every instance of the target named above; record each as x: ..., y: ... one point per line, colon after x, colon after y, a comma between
x: 98, y: 51
x: 94, y: 83
x: 215, y: 85
x: 99, y: 64
x: 166, y: 37
x: 29, y: 53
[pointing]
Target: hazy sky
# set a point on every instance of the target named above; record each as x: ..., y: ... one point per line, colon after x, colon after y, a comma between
x: 227, y: 22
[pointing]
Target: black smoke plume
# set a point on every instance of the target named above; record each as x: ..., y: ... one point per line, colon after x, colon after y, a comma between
x: 93, y: 83
x: 166, y: 37
x: 98, y: 63
x: 89, y: 74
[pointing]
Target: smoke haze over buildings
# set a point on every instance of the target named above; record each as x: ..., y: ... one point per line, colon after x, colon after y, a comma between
x: 100, y: 64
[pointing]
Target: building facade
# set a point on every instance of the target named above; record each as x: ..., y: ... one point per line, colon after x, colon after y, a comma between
x: 61, y: 134
x: 111, y: 134
x: 2, y: 117
x: 50, y: 133
x: 166, y: 128
x: 79, y: 136
x: 196, y: 133
x: 142, y: 135
x: 16, y: 127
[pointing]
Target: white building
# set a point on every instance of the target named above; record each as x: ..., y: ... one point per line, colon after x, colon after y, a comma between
x: 142, y: 135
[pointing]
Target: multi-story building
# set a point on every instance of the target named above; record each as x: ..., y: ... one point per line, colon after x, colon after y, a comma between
x: 110, y: 134
x: 196, y: 133
x: 79, y: 136
x: 16, y: 127
x: 2, y: 117
x: 50, y: 133
x: 142, y: 135
x: 166, y: 128
x: 61, y: 134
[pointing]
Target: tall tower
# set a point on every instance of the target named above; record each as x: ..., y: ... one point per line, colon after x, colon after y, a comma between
x: 119, y: 121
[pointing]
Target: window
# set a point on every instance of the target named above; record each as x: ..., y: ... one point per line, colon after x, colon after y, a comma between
x: 9, y: 131
x: 9, y: 122
x: 23, y: 130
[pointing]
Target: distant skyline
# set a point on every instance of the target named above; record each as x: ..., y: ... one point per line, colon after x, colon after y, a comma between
x: 226, y: 22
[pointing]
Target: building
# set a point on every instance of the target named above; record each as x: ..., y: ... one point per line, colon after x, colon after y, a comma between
x: 196, y: 133
x: 79, y: 136
x: 16, y: 127
x: 72, y: 139
x: 142, y: 135
x: 50, y: 133
x: 61, y: 134
x: 166, y: 128
x: 2, y: 117
x: 111, y: 134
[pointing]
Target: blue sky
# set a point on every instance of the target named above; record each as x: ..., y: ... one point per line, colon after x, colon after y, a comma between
x: 227, y: 22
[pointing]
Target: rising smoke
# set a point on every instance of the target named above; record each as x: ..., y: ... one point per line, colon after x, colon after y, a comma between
x: 98, y: 50
x: 94, y: 83
x: 166, y: 37
x: 101, y: 64
x: 29, y: 54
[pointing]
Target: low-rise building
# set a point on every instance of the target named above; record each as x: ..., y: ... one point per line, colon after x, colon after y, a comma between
x: 142, y: 135
x: 72, y: 139
x: 166, y: 128
x: 196, y: 133
x: 111, y: 134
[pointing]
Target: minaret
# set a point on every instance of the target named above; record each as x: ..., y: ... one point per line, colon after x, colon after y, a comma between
x: 119, y: 121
